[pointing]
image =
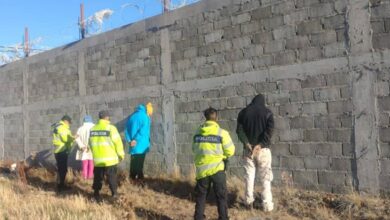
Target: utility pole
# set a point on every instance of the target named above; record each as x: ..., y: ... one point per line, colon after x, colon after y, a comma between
x: 166, y: 5
x: 26, y: 46
x: 81, y: 21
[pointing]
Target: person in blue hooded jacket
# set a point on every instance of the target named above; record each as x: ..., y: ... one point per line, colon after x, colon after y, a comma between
x: 137, y: 134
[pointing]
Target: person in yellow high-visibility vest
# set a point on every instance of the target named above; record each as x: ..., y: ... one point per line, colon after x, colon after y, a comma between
x: 62, y: 141
x: 212, y: 146
x: 107, y: 149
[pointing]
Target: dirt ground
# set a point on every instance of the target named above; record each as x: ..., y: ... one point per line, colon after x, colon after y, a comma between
x: 172, y: 198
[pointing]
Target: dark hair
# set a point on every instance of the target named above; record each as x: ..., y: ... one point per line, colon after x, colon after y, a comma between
x: 210, y: 114
x: 103, y: 114
x: 66, y: 118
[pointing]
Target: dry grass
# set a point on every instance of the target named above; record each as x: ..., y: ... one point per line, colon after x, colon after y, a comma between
x: 171, y: 198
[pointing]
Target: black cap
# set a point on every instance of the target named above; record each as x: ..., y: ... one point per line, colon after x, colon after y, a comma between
x: 66, y: 118
x: 103, y: 114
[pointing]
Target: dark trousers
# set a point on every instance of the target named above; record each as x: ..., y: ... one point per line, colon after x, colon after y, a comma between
x: 111, y: 173
x: 218, y: 181
x: 62, y: 167
x: 137, y: 166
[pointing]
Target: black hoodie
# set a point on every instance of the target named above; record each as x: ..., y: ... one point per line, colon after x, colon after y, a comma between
x: 255, y: 123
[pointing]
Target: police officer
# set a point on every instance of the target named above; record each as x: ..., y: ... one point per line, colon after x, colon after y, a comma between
x: 212, y: 146
x: 107, y: 149
x: 62, y: 141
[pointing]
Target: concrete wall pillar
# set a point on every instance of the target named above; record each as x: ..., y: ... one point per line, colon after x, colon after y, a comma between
x: 26, y: 118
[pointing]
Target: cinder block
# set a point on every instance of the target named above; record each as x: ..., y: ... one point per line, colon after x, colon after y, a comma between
x: 302, y: 95
x: 331, y: 178
x: 280, y: 149
x: 340, y: 6
x: 306, y: 3
x: 296, y: 16
x: 242, y: 42
x: 384, y: 134
x: 228, y: 91
x: 340, y: 107
x: 384, y: 103
x: 340, y: 135
x: 315, y: 108
x: 214, y: 36
x: 292, y: 163
x: 272, y: 23
x: 334, y: 22
x: 242, y: 66
x: 384, y: 120
x: 305, y: 177
x: 250, y: 27
x: 341, y: 164
x: 290, y: 109
x: 303, y: 149
x: 337, y: 79
x: 315, y: 135
x: 234, y: 55
x: 232, y: 32
x: 220, y: 24
x: 335, y: 49
x: 262, y: 13
x: 316, y: 163
x: 263, y: 61
x: 301, y: 122
x: 281, y: 123
x: 326, y: 94
x: 314, y: 81
x: 263, y: 37
x: 241, y: 18
x: 283, y: 8
x: 284, y: 32
x: 254, y: 51
x: 324, y: 38
x: 246, y: 90
x: 329, y: 121
x: 297, y: 42
x: 274, y: 46
x: 287, y: 57
x: 329, y: 149
x: 309, y: 27
x: 378, y: 27
x: 382, y: 88
x: 290, y: 135
x: 263, y: 87
x: 384, y: 182
x: 308, y: 54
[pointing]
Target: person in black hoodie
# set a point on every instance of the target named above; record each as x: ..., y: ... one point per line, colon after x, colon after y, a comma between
x: 255, y: 125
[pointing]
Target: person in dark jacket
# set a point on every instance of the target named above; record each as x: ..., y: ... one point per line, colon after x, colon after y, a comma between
x: 255, y: 125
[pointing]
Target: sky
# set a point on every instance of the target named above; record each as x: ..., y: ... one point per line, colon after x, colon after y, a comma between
x: 53, y: 23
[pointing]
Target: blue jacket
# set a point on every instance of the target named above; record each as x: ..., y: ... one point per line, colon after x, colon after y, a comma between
x: 138, y: 129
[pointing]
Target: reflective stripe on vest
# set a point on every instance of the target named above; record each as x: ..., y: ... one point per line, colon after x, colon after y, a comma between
x: 105, y: 159
x: 200, y: 169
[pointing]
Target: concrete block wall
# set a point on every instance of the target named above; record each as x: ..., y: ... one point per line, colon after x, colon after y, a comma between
x: 316, y: 61
x: 380, y: 22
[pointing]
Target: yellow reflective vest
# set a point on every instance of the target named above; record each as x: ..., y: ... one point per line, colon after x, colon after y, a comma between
x: 62, y: 138
x: 211, y: 145
x: 106, y: 144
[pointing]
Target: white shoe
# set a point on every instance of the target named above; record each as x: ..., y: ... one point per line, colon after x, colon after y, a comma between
x: 268, y: 207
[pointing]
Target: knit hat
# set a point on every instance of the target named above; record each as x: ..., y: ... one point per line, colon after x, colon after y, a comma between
x: 149, y: 108
x: 88, y: 118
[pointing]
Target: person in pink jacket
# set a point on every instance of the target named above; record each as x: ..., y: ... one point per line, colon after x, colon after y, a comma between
x: 84, y: 153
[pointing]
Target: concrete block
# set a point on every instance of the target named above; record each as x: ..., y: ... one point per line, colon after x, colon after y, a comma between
x: 384, y: 134
x: 384, y: 103
x: 290, y: 135
x: 378, y: 27
x: 384, y: 120
x: 250, y: 27
x: 281, y: 123
x: 341, y: 164
x: 284, y: 32
x: 297, y: 42
x: 337, y: 79
x: 280, y: 149
x: 301, y: 122
x: 236, y: 102
x: 302, y: 95
x: 292, y: 163
x: 289, y: 84
x: 340, y: 107
x: 246, y: 90
x: 309, y: 27
x: 308, y: 54
x: 277, y: 98
x: 334, y: 22
x: 329, y: 121
x: 316, y: 163
x: 303, y: 149
x: 263, y: 61
x: 262, y: 13
x: 381, y: 41
x: 242, y: 66
x: 384, y: 182
x: 254, y: 51
x: 228, y: 91
x: 296, y: 16
x: 290, y: 109
x: 306, y: 3
x: 314, y: 81
x: 263, y: 87
x: 331, y: 178
x: 326, y: 94
x: 220, y: 24
x: 234, y: 55
x: 382, y: 89
x: 315, y: 135
x: 242, y: 42
x: 387, y: 25
x: 232, y: 32
x: 329, y: 149
x: 283, y: 8
x: 348, y: 149
x: 335, y: 49
x: 272, y: 23
x: 322, y: 10
x: 324, y: 38
x: 315, y: 108
x: 241, y: 18
x: 214, y: 36
x: 284, y: 58
x: 263, y: 37
x: 340, y: 135
x: 274, y: 46
x: 340, y: 6
x: 305, y: 177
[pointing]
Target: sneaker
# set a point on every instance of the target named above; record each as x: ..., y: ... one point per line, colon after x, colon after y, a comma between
x: 268, y: 207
